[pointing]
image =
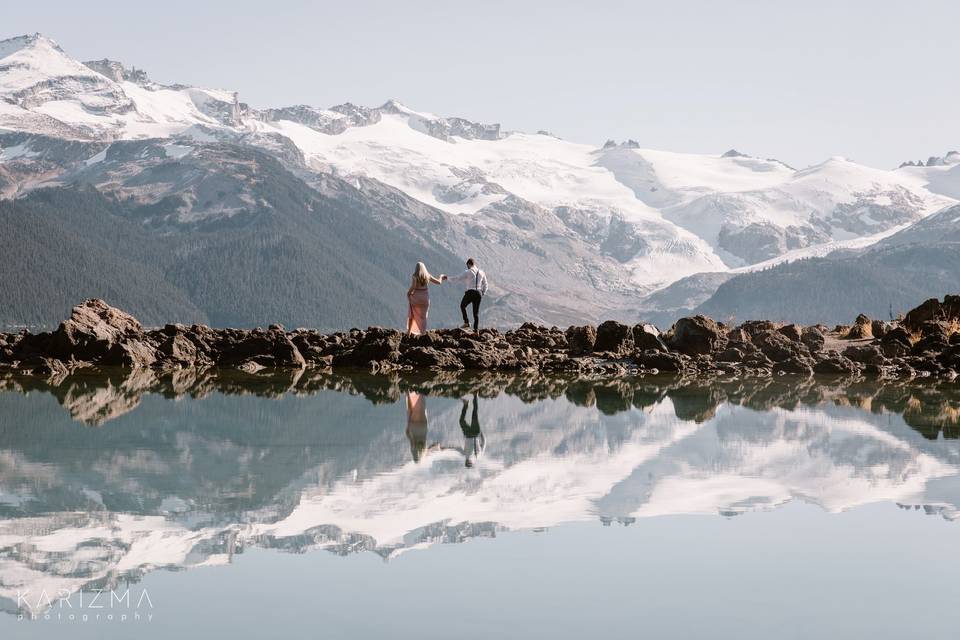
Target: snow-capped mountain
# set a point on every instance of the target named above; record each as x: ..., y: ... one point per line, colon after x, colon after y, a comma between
x: 621, y: 219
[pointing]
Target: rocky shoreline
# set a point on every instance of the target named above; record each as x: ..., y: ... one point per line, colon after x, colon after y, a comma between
x: 96, y: 396
x: 924, y: 343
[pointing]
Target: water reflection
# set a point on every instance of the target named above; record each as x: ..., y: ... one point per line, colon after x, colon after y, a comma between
x: 417, y: 424
x: 191, y: 469
x: 474, y: 441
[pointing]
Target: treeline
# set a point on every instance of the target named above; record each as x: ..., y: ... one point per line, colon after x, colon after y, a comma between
x: 298, y: 258
x: 879, y: 282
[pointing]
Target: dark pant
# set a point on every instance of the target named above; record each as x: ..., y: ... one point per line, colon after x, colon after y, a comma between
x: 472, y: 296
x: 470, y: 429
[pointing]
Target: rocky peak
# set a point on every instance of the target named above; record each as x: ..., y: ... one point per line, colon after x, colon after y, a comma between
x: 629, y: 144
x: 951, y: 157
x: 332, y: 121
x: 733, y: 153
x: 394, y: 106
x: 36, y: 40
x: 443, y: 128
x: 356, y: 112
x: 117, y: 72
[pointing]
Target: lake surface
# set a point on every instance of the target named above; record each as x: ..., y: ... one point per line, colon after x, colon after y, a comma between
x: 322, y: 506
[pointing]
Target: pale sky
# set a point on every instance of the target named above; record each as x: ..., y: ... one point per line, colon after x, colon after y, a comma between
x: 874, y: 81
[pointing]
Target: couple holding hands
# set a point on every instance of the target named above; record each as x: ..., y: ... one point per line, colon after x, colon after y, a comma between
x: 474, y: 281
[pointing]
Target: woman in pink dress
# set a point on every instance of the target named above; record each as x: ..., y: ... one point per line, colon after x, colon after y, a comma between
x: 418, y: 298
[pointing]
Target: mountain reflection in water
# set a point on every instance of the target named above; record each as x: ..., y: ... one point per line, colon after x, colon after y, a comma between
x: 106, y: 477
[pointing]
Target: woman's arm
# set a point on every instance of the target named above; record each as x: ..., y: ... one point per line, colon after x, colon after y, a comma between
x: 436, y: 280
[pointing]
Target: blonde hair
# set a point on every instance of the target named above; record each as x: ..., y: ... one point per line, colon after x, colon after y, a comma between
x: 420, y: 275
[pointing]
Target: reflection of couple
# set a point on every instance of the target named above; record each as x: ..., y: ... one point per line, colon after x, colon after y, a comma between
x: 474, y: 281
x: 473, y: 440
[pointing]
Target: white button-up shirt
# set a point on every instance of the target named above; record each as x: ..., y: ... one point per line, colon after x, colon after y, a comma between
x: 473, y: 278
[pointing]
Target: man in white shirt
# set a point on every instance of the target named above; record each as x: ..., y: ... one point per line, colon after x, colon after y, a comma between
x: 474, y: 281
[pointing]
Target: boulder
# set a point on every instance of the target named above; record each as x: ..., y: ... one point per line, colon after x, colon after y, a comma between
x: 776, y: 346
x: 696, y: 335
x: 879, y: 328
x: 950, y: 357
x: 738, y: 335
x: 613, y: 337
x: 835, y: 364
x: 93, y: 328
x: 735, y: 352
x: 792, y: 331
x: 933, y: 309
x: 581, y: 339
x: 898, y: 335
x: 931, y: 343
x: 430, y: 358
x: 375, y: 345
x: 272, y: 349
x: 754, y: 327
x: 647, y: 336
x: 178, y: 348
x: 661, y: 361
x: 794, y: 366
x: 862, y: 328
x: 894, y: 349
x: 865, y: 354
x: 131, y: 352
x: 813, y: 338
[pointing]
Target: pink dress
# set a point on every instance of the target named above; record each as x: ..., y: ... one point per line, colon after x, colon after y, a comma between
x: 417, y: 424
x: 419, y: 304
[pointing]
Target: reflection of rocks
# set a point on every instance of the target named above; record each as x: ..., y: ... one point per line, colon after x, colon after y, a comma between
x: 97, y: 335
x: 96, y: 396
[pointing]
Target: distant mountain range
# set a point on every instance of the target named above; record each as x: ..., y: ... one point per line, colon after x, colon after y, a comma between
x: 303, y: 215
x: 882, y: 280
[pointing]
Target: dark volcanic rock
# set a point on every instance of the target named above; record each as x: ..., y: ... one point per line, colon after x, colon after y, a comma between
x: 99, y: 335
x: 895, y: 342
x: 179, y: 349
x: 268, y: 349
x: 862, y: 328
x: 613, y: 337
x: 865, y: 354
x: 377, y: 345
x: 430, y: 358
x: 696, y: 335
x: 795, y: 365
x: 879, y: 328
x: 835, y: 364
x: 737, y: 352
x: 130, y: 352
x: 933, y: 309
x: 668, y: 362
x: 755, y: 327
x: 813, y: 338
x: 581, y: 339
x: 647, y: 336
x: 777, y: 346
x: 792, y: 331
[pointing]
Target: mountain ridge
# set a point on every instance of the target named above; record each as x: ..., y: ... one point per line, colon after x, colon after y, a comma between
x: 618, y: 221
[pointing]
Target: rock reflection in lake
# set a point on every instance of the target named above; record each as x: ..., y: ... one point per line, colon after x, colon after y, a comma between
x: 191, y: 469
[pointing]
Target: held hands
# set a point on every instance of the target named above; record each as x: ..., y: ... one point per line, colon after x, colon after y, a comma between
x: 443, y: 277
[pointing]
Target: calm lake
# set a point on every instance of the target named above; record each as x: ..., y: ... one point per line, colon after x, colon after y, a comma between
x: 322, y: 506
